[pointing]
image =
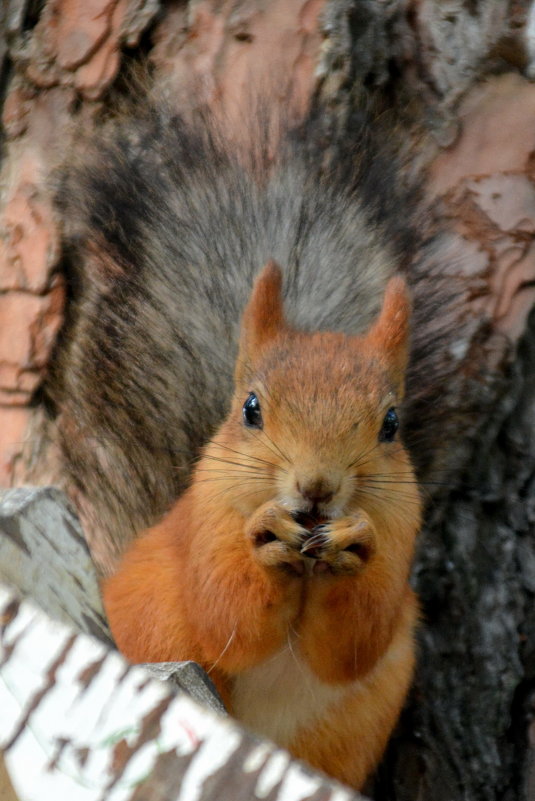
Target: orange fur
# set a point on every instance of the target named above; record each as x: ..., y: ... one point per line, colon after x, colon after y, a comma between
x: 275, y: 607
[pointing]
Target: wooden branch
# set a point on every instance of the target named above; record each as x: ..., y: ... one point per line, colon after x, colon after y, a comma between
x: 78, y: 722
x: 44, y: 555
x: 192, y: 679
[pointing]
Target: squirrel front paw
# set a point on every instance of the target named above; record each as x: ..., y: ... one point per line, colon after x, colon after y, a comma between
x: 277, y: 538
x: 342, y: 546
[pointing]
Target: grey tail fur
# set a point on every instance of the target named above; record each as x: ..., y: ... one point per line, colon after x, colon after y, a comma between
x: 168, y: 224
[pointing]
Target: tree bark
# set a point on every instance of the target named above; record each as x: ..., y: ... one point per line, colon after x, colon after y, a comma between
x: 456, y: 75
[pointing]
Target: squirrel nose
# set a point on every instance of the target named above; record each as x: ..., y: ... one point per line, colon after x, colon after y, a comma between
x: 317, y: 490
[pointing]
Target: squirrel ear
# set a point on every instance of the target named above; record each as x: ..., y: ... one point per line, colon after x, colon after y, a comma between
x: 263, y: 318
x: 390, y: 331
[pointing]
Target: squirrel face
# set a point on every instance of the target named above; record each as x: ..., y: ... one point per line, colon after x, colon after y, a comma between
x: 313, y: 422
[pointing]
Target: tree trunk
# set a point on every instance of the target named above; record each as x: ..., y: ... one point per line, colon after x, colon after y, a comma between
x: 456, y: 76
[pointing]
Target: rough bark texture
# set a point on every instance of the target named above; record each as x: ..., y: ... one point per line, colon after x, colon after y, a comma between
x: 469, y: 727
x: 460, y: 70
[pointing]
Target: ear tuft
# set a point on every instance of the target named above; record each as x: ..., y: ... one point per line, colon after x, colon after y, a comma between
x: 263, y: 318
x: 390, y: 331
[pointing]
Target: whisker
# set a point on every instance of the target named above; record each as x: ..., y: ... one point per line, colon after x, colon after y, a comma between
x: 275, y: 450
x: 250, y: 494
x: 378, y: 481
x: 299, y: 666
x: 225, y: 649
x: 387, y: 486
x: 356, y: 462
x: 381, y: 495
x: 240, y: 495
x: 391, y: 473
x: 230, y: 461
x: 239, y: 453
x: 232, y: 471
x: 223, y: 478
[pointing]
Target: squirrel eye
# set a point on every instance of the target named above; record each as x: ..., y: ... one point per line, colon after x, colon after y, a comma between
x: 252, y: 416
x: 389, y: 427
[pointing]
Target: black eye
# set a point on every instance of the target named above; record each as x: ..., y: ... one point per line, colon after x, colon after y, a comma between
x: 252, y: 416
x: 389, y: 427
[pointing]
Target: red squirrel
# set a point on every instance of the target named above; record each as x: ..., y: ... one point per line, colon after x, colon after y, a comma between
x: 283, y: 568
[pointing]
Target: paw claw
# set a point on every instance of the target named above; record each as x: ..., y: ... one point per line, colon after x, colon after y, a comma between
x: 315, y: 544
x: 320, y: 528
x: 340, y: 546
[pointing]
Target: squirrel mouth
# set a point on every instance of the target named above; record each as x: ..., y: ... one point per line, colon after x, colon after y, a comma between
x: 311, y: 518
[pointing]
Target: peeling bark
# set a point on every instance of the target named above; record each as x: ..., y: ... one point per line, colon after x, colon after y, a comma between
x: 93, y: 728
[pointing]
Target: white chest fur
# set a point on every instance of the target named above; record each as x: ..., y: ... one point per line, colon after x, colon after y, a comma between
x: 281, y: 695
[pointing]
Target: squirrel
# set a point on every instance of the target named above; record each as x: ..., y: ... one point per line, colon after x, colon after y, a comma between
x: 283, y: 566
x: 283, y: 569
x: 165, y: 226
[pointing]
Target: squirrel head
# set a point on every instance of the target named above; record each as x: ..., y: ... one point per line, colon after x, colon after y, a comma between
x: 264, y: 325
x: 314, y: 418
